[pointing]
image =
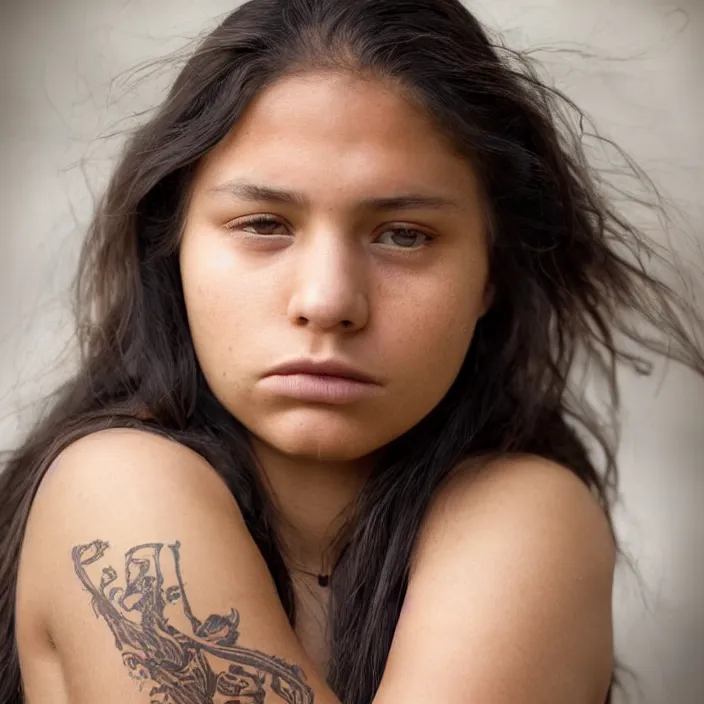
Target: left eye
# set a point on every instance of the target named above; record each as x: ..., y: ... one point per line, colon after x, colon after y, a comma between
x: 404, y: 238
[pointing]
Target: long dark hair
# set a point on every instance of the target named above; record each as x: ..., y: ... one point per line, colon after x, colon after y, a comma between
x: 567, y: 269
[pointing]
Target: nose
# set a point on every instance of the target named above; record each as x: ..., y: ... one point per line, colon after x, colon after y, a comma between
x: 330, y: 287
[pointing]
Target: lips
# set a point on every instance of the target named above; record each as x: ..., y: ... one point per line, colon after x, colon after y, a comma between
x: 328, y: 382
x: 330, y: 368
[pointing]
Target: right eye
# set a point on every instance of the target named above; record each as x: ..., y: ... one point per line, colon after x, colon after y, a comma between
x: 262, y: 222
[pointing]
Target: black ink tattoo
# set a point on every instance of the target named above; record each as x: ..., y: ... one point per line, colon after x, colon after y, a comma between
x: 207, y: 667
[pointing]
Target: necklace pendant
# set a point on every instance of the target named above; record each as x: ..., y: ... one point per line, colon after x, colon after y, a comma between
x: 323, y: 580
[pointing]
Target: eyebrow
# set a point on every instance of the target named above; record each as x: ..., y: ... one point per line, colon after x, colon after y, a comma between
x: 254, y: 192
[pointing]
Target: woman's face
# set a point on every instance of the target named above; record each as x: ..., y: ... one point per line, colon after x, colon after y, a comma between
x: 334, y: 272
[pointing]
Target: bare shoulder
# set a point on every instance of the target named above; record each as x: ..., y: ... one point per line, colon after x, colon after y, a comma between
x: 533, y: 514
x: 137, y: 564
x: 511, y: 585
x: 120, y: 482
x: 524, y: 496
x: 109, y: 462
x: 121, y: 487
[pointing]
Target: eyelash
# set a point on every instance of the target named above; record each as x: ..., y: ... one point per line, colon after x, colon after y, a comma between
x: 268, y: 220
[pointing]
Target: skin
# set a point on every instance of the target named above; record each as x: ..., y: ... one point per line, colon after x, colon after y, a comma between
x: 333, y: 279
x: 509, y: 595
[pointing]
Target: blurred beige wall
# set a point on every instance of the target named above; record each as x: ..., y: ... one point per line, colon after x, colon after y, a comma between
x: 66, y: 91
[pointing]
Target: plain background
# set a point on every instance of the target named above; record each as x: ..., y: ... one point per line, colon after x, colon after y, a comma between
x: 633, y: 65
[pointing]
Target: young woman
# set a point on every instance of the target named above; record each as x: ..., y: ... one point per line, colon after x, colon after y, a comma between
x: 322, y: 447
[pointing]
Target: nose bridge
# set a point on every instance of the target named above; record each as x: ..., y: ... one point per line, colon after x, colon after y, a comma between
x: 330, y: 283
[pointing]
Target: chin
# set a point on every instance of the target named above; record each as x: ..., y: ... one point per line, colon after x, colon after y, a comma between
x: 325, y: 439
x: 321, y: 452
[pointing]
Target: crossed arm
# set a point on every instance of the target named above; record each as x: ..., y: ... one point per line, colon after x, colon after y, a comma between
x: 159, y: 595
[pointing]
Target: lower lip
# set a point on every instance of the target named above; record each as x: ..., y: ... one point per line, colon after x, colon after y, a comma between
x: 313, y: 388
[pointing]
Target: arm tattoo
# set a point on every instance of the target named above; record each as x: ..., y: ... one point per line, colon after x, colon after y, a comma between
x: 150, y: 617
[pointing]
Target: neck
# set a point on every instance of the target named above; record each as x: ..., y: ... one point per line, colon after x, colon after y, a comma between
x: 313, y: 500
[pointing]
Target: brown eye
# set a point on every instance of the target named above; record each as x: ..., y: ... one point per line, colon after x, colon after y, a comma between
x: 404, y: 238
x: 262, y: 225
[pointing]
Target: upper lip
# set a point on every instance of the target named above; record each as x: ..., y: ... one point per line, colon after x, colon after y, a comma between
x: 328, y: 367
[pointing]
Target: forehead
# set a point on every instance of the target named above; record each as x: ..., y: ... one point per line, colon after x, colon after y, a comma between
x: 337, y: 128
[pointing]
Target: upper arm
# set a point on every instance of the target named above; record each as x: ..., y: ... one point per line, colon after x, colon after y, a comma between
x: 510, y: 592
x: 139, y: 563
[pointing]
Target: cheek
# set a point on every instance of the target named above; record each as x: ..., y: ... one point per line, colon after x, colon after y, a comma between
x: 431, y: 329
x: 225, y: 305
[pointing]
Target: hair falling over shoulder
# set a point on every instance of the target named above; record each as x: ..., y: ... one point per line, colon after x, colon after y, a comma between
x: 569, y: 271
